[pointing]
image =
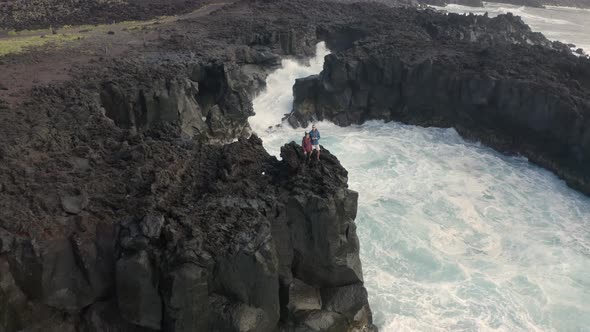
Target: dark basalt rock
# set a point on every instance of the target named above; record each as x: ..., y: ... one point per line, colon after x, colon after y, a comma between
x: 169, y: 276
x: 137, y: 291
x: 120, y: 210
x: 186, y: 299
x: 105, y: 316
x: 211, y: 103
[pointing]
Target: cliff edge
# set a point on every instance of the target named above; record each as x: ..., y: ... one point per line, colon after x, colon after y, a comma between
x: 133, y: 196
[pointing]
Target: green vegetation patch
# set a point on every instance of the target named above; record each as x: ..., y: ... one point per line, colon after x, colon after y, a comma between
x: 21, y: 44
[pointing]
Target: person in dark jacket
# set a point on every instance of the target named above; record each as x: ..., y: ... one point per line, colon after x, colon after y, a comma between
x: 315, y: 139
x: 307, y: 146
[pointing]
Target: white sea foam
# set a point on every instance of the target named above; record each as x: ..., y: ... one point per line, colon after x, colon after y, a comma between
x: 454, y: 236
x: 278, y: 97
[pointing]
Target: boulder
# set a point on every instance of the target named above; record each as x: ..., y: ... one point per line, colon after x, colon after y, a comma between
x: 65, y: 273
x: 249, y: 319
x: 74, y: 204
x: 350, y: 301
x: 14, y: 309
x: 95, y: 257
x: 303, y: 297
x: 137, y: 291
x: 6, y: 241
x: 164, y: 101
x: 105, y: 316
x: 64, y: 284
x: 186, y: 299
x: 228, y: 316
x: 151, y: 226
x: 171, y: 101
x: 326, y: 247
x: 251, y: 277
x: 325, y: 321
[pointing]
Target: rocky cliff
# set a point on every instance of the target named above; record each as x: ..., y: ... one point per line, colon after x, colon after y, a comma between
x: 134, y: 198
x: 124, y: 208
x: 184, y: 236
x: 120, y: 211
x: 488, y: 83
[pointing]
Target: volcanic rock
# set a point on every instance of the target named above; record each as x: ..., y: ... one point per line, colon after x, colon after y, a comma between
x: 134, y: 197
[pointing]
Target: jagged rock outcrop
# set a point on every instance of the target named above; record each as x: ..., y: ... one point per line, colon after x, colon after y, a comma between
x: 484, y: 92
x: 252, y: 244
x: 211, y: 102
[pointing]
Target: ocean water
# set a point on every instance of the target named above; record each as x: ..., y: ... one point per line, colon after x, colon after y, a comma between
x: 566, y: 24
x: 454, y: 236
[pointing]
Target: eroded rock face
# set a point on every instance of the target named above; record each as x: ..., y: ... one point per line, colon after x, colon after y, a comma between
x: 314, y: 220
x: 206, y: 104
x: 65, y: 274
x: 13, y: 302
x: 251, y: 277
x: 186, y: 299
x: 234, y: 256
x: 137, y: 291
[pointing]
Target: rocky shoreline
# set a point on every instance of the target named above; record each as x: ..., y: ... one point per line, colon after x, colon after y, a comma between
x: 134, y: 197
x: 481, y: 77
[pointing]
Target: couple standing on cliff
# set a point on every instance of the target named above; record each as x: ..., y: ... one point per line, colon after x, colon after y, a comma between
x: 311, y: 141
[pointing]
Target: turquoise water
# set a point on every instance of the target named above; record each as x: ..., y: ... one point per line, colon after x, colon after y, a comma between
x: 454, y: 236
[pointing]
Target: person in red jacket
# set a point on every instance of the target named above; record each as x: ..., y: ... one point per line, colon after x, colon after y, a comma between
x: 307, y: 147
